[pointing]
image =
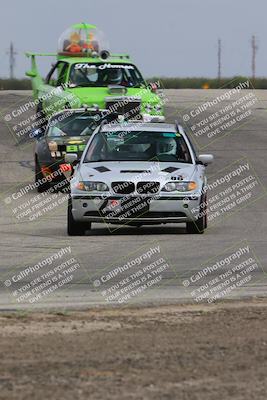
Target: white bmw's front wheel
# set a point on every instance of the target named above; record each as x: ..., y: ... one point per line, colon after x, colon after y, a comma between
x: 75, y: 228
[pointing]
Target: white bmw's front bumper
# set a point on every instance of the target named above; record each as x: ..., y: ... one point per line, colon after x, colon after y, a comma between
x: 163, y: 209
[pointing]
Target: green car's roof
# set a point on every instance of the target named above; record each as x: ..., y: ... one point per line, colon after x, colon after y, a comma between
x: 95, y: 60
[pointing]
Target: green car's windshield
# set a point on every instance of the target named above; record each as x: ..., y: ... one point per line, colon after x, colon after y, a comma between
x: 138, y: 146
x: 75, y: 124
x: 105, y: 74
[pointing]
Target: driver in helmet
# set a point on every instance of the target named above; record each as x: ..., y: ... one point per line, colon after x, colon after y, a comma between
x: 168, y: 146
x: 114, y: 77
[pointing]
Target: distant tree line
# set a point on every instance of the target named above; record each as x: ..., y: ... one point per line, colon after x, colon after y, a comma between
x: 15, y: 84
x: 208, y: 83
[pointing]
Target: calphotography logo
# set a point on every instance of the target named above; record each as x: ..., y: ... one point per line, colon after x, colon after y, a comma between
x: 219, y: 116
x: 35, y: 283
x: 132, y: 279
x: 223, y: 276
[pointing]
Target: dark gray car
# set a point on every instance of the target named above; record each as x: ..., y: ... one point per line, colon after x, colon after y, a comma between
x: 67, y: 131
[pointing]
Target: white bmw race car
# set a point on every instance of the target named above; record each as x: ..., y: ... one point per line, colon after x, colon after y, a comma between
x: 138, y: 174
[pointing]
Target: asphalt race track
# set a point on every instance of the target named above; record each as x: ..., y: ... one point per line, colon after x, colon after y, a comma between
x: 25, y: 243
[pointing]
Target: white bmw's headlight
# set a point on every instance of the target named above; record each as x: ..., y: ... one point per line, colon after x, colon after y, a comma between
x: 169, y: 187
x: 92, y: 186
x: 180, y: 186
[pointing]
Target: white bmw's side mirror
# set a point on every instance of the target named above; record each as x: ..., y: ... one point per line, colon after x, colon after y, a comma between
x: 206, y: 158
x: 71, y: 158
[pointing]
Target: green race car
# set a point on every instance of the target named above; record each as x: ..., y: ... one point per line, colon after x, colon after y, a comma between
x: 86, y: 74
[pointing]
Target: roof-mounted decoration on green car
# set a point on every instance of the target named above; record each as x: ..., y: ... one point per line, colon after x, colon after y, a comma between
x: 87, y: 75
x: 83, y: 40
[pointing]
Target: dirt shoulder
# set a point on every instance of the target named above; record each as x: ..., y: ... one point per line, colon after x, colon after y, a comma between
x: 169, y: 352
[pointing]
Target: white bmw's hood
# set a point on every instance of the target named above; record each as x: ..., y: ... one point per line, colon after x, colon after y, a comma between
x: 141, y: 171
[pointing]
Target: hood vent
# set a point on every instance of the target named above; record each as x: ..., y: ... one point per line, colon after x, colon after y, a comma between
x: 102, y: 169
x: 170, y: 169
x: 117, y: 89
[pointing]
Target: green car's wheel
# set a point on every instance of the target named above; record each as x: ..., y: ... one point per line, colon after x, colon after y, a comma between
x: 75, y: 228
x: 41, y: 185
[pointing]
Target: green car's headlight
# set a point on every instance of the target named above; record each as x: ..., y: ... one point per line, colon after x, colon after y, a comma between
x: 180, y: 186
x: 158, y: 108
x: 92, y: 186
x: 148, y: 108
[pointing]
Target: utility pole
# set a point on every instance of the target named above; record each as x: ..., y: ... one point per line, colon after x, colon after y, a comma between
x: 11, y: 52
x: 219, y: 59
x: 254, y: 51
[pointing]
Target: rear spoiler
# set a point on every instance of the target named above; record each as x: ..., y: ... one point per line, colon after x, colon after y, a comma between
x: 30, y: 54
x: 33, y: 73
x: 122, y: 56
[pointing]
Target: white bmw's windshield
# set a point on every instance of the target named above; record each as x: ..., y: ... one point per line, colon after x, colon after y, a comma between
x: 138, y: 146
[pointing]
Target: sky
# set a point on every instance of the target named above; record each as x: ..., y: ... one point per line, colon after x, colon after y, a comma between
x: 164, y: 37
